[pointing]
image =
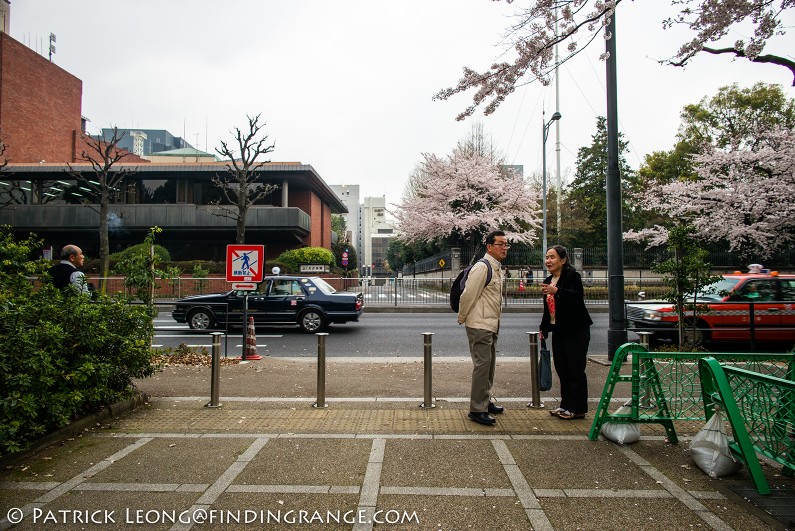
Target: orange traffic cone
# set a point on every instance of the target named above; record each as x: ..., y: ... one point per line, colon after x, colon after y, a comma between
x: 250, y: 348
x: 521, y: 287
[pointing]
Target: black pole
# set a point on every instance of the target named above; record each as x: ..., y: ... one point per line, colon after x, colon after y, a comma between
x: 617, y: 331
x: 245, y: 326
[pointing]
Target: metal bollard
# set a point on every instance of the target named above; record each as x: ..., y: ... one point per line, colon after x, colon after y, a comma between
x: 215, y: 373
x: 428, y: 370
x: 645, y: 339
x: 645, y: 342
x: 536, y: 396
x: 321, y: 370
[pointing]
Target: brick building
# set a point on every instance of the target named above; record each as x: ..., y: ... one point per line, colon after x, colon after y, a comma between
x: 40, y: 106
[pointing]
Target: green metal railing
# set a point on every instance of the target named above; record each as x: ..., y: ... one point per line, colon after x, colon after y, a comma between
x: 665, y: 386
x: 761, y: 412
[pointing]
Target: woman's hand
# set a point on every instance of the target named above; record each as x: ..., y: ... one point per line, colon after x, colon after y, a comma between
x: 548, y: 289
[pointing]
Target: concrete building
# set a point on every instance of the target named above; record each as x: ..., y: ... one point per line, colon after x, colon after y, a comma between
x: 349, y: 195
x: 175, y: 156
x: 377, y: 230
x: 179, y: 198
x: 144, y: 142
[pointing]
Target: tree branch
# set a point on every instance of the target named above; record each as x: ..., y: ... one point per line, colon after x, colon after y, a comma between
x: 772, y: 59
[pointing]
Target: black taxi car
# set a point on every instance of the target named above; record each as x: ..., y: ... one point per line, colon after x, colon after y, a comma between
x: 758, y: 302
x: 310, y: 302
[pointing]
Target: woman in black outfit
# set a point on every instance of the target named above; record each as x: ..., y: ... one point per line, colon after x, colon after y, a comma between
x: 566, y: 317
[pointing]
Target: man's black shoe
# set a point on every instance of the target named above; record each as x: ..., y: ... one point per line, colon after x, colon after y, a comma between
x: 494, y: 409
x: 482, y: 418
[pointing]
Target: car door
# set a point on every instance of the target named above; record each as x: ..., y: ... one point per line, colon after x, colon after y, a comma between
x: 284, y: 300
x: 785, y: 310
x: 761, y: 293
x: 257, y: 303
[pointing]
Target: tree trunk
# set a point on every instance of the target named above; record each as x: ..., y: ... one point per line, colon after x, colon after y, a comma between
x: 241, y: 226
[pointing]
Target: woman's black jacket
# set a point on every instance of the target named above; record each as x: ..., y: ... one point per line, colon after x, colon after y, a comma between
x: 570, y: 311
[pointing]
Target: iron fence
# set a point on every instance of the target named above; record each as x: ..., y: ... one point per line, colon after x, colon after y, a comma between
x: 400, y: 291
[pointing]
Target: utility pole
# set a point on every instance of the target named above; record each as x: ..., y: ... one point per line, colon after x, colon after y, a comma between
x: 617, y: 331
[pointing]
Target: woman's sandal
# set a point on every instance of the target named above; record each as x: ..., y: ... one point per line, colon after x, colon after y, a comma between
x: 568, y: 415
x: 557, y: 411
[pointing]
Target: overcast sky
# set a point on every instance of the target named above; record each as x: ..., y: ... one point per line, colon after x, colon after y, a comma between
x: 346, y: 85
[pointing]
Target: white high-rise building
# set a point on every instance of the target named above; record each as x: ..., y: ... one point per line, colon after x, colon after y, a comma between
x: 349, y: 195
x: 376, y: 233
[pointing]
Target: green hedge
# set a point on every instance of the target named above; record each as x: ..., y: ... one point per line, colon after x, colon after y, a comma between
x: 63, y: 355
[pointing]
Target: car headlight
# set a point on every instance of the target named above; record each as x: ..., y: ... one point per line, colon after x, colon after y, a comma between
x: 651, y: 315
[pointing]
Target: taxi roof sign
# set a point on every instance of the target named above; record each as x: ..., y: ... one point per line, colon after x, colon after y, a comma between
x: 245, y: 263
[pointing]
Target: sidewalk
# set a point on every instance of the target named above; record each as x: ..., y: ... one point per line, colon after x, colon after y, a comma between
x: 268, y: 459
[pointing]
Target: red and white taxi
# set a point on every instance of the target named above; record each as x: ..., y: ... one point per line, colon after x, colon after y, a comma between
x: 759, y: 302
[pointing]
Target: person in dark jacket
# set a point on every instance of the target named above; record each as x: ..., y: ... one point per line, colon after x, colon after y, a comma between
x: 567, y: 319
x: 66, y: 273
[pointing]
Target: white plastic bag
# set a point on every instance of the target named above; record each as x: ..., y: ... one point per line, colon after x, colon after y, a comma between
x: 710, y: 449
x: 621, y: 432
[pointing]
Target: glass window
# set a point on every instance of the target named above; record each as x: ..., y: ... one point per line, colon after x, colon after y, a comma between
x: 788, y: 289
x: 758, y: 291
x: 286, y: 287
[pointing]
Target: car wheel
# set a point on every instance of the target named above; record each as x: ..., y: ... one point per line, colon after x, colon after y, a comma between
x: 200, y: 320
x: 311, y: 321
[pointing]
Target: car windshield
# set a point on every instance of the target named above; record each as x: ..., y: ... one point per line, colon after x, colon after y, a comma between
x: 717, y: 290
x: 323, y: 286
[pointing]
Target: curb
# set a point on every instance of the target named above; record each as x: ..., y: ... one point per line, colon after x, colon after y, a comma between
x: 73, y: 429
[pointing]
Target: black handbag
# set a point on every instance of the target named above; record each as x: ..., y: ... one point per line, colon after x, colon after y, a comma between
x: 544, y: 368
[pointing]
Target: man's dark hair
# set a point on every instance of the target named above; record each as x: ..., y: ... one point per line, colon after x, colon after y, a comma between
x: 492, y: 236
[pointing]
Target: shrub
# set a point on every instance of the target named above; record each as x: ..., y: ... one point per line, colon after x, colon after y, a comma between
x: 293, y: 258
x: 161, y: 252
x: 63, y: 355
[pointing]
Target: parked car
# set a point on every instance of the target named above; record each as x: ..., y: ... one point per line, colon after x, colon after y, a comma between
x: 725, y: 310
x: 310, y: 302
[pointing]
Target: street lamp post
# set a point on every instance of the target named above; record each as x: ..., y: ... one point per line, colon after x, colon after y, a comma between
x: 545, y: 133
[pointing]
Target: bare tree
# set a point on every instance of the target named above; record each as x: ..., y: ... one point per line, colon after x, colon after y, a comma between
x: 243, y: 184
x: 103, y: 181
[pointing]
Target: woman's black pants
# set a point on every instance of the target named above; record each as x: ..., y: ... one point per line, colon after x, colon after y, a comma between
x: 569, y: 353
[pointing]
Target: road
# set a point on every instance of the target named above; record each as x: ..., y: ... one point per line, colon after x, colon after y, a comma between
x: 377, y: 335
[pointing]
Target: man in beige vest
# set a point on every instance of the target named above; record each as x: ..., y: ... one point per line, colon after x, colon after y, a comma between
x: 479, y: 311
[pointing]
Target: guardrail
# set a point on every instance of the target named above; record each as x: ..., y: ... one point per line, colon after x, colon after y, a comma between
x: 665, y: 386
x: 761, y: 411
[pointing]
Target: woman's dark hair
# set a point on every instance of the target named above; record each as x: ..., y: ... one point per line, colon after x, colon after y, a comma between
x: 564, y: 255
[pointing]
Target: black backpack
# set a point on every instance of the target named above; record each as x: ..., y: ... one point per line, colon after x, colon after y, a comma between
x: 460, y: 283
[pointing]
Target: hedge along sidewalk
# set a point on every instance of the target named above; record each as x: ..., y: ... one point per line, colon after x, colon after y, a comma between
x: 77, y: 428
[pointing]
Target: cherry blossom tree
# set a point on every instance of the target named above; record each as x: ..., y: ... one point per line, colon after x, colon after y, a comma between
x: 742, y: 196
x: 534, y: 37
x: 463, y: 197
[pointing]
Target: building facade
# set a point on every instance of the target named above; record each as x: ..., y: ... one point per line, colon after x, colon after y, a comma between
x: 377, y: 230
x: 144, y: 142
x: 179, y: 198
x: 40, y: 106
x: 349, y: 195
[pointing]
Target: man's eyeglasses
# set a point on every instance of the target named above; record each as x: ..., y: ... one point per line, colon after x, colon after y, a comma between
x: 502, y: 244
